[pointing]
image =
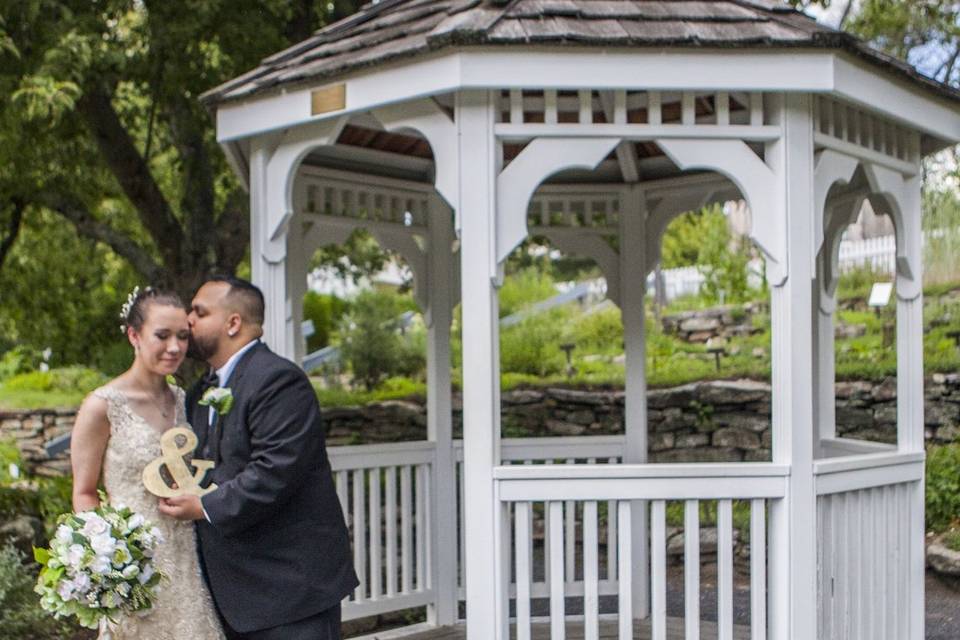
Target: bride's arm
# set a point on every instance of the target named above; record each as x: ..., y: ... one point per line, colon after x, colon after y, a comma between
x: 88, y: 443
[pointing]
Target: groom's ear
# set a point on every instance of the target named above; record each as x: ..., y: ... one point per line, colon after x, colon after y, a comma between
x: 234, y: 324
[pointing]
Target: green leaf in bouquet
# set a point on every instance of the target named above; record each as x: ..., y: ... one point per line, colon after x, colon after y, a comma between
x: 79, y: 538
x: 41, y: 555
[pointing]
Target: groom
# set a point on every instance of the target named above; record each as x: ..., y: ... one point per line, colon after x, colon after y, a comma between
x: 272, y: 537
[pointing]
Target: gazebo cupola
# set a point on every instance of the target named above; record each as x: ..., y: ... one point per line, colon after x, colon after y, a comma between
x: 452, y: 129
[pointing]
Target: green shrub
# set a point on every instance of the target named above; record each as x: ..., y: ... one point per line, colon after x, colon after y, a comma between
x: 599, y: 332
x: 533, y: 345
x: 943, y: 486
x: 21, y: 359
x: 66, y: 379
x: 371, y: 343
x: 523, y: 289
x: 20, y: 613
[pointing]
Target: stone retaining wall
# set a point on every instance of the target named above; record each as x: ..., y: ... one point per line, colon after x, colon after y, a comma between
x: 701, y: 325
x: 698, y: 422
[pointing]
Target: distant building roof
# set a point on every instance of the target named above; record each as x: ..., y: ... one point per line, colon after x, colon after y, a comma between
x: 396, y: 29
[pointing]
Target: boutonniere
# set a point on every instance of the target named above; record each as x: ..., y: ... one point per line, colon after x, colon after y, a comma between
x: 220, y: 399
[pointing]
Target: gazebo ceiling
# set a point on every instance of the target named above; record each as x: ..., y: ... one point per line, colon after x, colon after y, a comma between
x: 401, y: 29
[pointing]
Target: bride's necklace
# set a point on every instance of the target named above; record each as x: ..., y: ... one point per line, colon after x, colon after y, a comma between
x: 162, y: 406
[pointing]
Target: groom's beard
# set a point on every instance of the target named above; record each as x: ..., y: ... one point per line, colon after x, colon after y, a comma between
x: 201, y: 348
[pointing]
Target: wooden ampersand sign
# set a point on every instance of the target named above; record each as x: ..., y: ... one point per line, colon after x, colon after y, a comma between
x: 188, y: 482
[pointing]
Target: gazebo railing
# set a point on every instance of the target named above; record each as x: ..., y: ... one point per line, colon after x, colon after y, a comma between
x: 385, y: 494
x: 870, y: 556
x: 531, y: 488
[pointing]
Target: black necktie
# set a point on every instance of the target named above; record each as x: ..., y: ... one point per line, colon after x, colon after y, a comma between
x: 210, y: 379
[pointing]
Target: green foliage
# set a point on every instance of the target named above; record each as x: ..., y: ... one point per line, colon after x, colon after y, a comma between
x: 523, y: 289
x: 856, y: 283
x: 371, y: 342
x: 359, y: 257
x: 67, y: 379
x: 20, y: 613
x: 943, y: 487
x: 702, y: 238
x: 532, y: 346
x: 941, y: 222
x: 325, y: 310
x: 22, y: 359
x: 599, y: 331
x: 394, y: 388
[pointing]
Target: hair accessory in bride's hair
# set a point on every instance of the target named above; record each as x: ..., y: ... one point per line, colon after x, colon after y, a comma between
x: 128, y: 306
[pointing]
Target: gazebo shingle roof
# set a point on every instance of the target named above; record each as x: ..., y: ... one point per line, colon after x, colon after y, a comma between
x: 396, y: 29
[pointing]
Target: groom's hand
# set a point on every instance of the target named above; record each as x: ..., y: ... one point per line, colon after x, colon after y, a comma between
x: 182, y: 507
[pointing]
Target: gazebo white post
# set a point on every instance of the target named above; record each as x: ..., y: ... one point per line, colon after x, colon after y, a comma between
x: 268, y: 256
x: 910, y: 398
x: 297, y: 265
x: 439, y: 417
x: 793, y: 527
x: 824, y: 306
x: 633, y: 285
x: 481, y: 360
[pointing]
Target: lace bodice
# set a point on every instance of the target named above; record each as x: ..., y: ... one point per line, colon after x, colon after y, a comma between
x: 183, y: 608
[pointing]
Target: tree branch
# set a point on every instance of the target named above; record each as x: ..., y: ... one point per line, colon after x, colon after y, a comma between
x: 133, y: 174
x: 121, y: 244
x: 233, y: 232
x: 13, y: 229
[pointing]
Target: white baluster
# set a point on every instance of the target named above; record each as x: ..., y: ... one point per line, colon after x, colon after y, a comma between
x: 522, y: 528
x: 557, y: 615
x: 688, y: 108
x: 516, y: 106
x: 421, y: 528
x: 591, y: 573
x: 658, y: 569
x: 406, y: 527
x: 550, y: 106
x: 619, y: 106
x: 654, y: 108
x: 342, y: 490
x: 391, y: 491
x: 723, y: 109
x: 691, y: 568
x: 624, y: 587
x: 725, y: 570
x: 586, y: 106
x: 359, y: 533
x: 375, y: 529
x: 756, y: 109
x: 758, y: 570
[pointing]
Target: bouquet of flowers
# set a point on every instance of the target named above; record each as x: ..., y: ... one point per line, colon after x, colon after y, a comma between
x: 99, y: 564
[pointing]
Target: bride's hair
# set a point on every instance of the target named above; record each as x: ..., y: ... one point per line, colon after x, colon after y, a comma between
x: 134, y: 312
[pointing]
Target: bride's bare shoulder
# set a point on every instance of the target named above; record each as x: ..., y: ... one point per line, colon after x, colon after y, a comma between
x: 95, y: 407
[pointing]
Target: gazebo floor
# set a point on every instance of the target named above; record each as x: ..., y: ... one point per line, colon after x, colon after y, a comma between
x: 541, y: 631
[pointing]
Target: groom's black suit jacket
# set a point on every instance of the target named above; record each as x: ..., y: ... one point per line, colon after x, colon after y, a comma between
x: 276, y: 548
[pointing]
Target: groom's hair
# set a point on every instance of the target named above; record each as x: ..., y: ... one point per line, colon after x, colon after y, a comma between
x: 246, y: 296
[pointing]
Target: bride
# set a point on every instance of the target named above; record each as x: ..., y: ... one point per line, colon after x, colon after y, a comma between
x: 117, y: 433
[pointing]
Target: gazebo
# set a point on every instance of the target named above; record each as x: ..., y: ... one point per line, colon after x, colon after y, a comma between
x: 452, y: 129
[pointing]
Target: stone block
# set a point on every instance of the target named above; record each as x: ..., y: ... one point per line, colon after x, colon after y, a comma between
x: 661, y: 441
x: 937, y: 414
x: 886, y: 390
x: 673, y: 397
x: 698, y: 455
x: 757, y: 455
x: 584, y: 417
x: 885, y: 414
x: 560, y: 428
x: 522, y: 396
x: 700, y: 324
x: 735, y: 437
x: 743, y: 420
x: 733, y: 391
x: 691, y: 440
x: 574, y: 396
x: 854, y: 418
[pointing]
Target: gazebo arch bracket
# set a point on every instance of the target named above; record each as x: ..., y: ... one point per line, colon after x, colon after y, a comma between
x: 757, y: 183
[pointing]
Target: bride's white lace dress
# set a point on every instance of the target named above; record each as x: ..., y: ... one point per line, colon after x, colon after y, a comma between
x: 183, y: 608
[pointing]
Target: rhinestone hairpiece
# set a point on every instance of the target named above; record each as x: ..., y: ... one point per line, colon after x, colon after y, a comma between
x: 128, y: 305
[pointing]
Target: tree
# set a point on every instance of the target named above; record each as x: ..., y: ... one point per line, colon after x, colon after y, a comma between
x: 101, y: 123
